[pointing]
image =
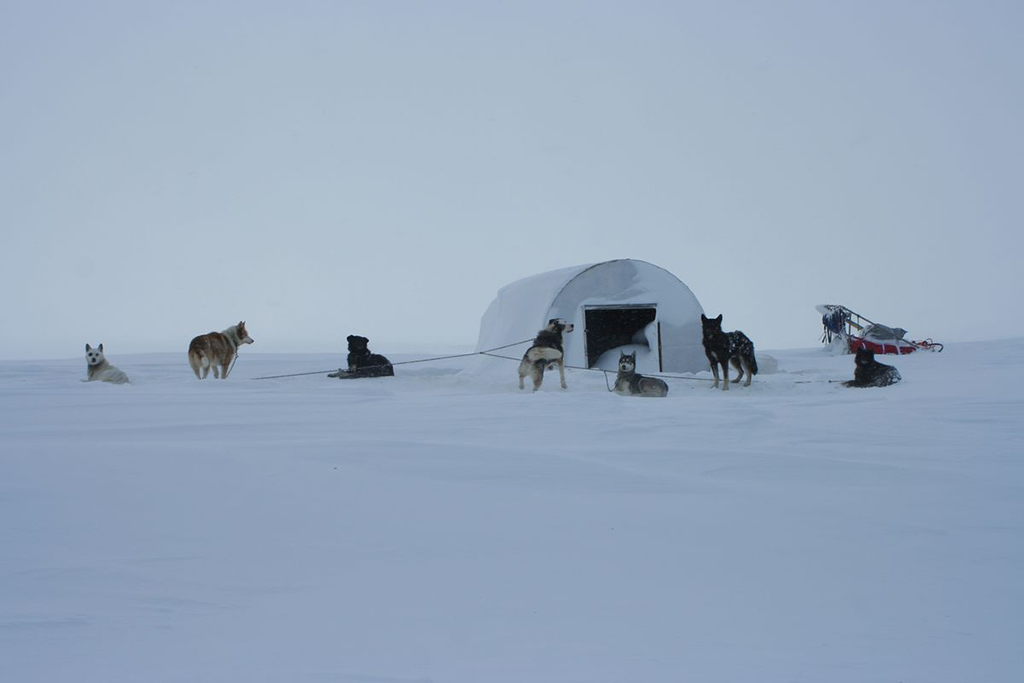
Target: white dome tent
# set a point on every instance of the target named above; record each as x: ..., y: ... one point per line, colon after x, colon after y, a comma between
x: 621, y: 304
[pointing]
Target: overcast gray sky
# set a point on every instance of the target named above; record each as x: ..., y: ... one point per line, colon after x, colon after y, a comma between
x: 382, y: 168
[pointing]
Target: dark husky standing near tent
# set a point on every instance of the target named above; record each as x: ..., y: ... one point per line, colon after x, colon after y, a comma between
x: 723, y: 347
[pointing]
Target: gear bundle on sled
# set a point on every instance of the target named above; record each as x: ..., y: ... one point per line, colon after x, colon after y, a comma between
x: 849, y: 331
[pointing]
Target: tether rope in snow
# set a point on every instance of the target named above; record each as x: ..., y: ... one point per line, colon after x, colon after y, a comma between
x: 654, y: 374
x: 577, y: 367
x: 410, y: 362
x: 490, y: 353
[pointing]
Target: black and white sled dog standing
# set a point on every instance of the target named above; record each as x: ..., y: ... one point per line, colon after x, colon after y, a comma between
x: 725, y: 347
x: 363, y: 363
x: 99, y: 369
x: 870, y: 373
x: 545, y: 352
x: 630, y: 383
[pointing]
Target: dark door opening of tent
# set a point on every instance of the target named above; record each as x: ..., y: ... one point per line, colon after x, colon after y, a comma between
x: 609, y: 327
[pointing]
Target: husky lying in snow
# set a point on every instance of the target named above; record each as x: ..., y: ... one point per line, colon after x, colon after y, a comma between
x: 546, y: 352
x: 217, y: 350
x: 630, y: 383
x: 363, y: 363
x: 99, y: 369
x: 725, y: 347
x: 870, y: 373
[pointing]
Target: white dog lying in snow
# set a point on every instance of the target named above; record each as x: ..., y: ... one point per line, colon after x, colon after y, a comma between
x: 99, y: 369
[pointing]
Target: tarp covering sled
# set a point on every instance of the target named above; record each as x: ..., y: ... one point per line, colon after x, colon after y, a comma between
x: 852, y: 331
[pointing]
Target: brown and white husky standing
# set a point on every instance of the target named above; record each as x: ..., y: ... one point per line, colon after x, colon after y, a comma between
x: 217, y: 350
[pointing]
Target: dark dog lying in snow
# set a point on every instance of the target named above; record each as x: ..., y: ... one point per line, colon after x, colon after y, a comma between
x: 362, y: 363
x: 870, y: 373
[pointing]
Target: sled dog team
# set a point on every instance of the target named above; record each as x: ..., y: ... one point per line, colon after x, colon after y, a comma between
x: 218, y: 350
x: 721, y: 348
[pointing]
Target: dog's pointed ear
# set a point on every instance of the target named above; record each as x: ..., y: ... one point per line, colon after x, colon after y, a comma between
x: 100, y: 348
x: 719, y: 318
x: 88, y: 348
x: 241, y: 323
x: 703, y: 318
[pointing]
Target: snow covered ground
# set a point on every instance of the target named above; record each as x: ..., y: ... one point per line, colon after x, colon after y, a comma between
x: 444, y: 527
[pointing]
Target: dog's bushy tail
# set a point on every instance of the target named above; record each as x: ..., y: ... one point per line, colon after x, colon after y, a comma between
x: 747, y: 349
x: 197, y: 359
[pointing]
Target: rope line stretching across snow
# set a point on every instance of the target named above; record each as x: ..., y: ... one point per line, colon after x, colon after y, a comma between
x: 654, y: 374
x: 490, y: 353
x: 578, y: 367
x: 410, y: 362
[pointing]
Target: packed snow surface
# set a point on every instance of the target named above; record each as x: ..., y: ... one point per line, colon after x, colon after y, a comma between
x: 449, y: 528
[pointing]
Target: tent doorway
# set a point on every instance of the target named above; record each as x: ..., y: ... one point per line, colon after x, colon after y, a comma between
x: 609, y: 327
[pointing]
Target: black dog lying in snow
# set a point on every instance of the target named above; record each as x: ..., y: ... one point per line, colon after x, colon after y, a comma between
x: 362, y: 363
x: 870, y: 373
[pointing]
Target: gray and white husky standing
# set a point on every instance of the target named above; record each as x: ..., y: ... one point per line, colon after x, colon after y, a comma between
x: 99, y: 369
x: 631, y: 383
x: 545, y: 352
